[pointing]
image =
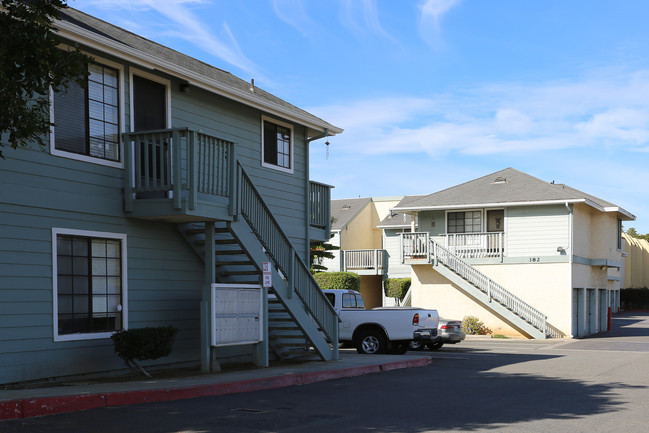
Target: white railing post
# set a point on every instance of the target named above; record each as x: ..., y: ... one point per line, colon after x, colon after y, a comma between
x: 489, y: 289
x: 501, y: 245
x: 376, y: 260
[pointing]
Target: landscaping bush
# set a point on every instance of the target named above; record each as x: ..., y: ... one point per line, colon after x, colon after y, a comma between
x: 143, y: 343
x: 397, y: 287
x: 338, y: 280
x: 474, y: 326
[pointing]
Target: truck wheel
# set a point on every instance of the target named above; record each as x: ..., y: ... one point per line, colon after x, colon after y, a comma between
x: 417, y: 345
x: 435, y: 346
x: 370, y: 342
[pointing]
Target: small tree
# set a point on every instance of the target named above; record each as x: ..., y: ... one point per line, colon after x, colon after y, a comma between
x: 397, y: 288
x: 634, y: 234
x: 31, y: 63
x: 320, y: 251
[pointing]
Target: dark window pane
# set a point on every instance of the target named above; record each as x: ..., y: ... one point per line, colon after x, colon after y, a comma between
x: 88, y: 299
x: 87, y: 119
x: 277, y: 145
x: 70, y: 114
x: 149, y: 104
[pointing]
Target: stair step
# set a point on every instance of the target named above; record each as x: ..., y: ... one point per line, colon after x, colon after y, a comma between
x: 289, y: 337
x: 229, y: 252
x: 227, y: 273
x: 225, y: 241
x: 235, y: 263
x: 291, y: 345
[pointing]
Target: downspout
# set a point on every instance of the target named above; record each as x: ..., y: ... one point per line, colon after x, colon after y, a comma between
x: 307, y: 188
x: 570, y: 260
x: 571, y: 232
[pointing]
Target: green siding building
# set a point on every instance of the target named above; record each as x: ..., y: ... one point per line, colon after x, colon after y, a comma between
x: 168, y: 188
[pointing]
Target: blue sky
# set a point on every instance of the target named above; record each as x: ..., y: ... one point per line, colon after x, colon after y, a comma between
x: 432, y: 93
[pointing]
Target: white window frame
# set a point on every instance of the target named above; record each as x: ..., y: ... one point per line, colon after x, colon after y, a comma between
x: 55, y: 309
x: 149, y: 76
x: 88, y: 158
x: 292, y: 145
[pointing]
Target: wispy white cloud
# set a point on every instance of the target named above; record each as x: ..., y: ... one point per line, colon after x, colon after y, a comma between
x: 293, y: 13
x: 179, y: 21
x: 361, y: 16
x: 501, y: 119
x: 431, y: 13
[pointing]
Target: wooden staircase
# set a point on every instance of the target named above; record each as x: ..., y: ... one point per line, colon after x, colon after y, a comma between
x: 287, y: 339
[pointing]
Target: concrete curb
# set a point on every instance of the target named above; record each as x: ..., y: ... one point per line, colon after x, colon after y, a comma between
x: 27, y: 408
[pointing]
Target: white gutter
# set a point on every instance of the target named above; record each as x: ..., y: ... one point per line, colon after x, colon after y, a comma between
x: 486, y: 205
x: 143, y: 59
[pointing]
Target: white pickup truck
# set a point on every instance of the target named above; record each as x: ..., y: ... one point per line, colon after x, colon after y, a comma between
x: 383, y: 329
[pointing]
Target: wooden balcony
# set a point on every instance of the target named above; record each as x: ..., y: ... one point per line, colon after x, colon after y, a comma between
x: 365, y: 262
x: 181, y: 175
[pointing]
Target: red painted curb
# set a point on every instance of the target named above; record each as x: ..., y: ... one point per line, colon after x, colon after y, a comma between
x: 169, y: 394
x: 11, y: 409
x: 319, y: 376
x: 52, y: 405
x: 68, y: 403
x: 394, y: 365
x: 419, y: 362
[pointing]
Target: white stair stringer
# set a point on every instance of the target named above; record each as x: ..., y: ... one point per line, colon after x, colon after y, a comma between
x: 520, y: 315
x: 483, y: 299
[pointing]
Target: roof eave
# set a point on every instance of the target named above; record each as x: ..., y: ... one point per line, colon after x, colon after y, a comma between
x: 488, y: 205
x: 143, y: 59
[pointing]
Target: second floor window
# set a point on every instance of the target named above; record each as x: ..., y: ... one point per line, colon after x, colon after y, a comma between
x: 277, y: 146
x: 464, y: 222
x: 87, y: 119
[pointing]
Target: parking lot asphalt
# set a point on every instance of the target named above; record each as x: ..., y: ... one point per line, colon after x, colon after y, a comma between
x: 630, y: 333
x: 26, y: 401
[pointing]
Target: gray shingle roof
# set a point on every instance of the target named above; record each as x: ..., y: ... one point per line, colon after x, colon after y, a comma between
x: 508, y: 186
x: 398, y: 219
x: 344, y: 210
x: 232, y: 86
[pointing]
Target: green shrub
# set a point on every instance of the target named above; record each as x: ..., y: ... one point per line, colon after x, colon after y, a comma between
x: 338, y: 280
x: 397, y: 287
x: 474, y: 326
x: 144, y: 343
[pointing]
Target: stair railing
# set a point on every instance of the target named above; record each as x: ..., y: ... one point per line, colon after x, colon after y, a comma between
x: 297, y: 274
x: 493, y: 290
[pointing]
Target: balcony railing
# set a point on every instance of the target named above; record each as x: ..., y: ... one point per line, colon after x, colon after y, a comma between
x: 178, y: 164
x: 475, y: 245
x: 320, y: 204
x: 364, y: 261
x: 415, y: 246
x: 187, y: 166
